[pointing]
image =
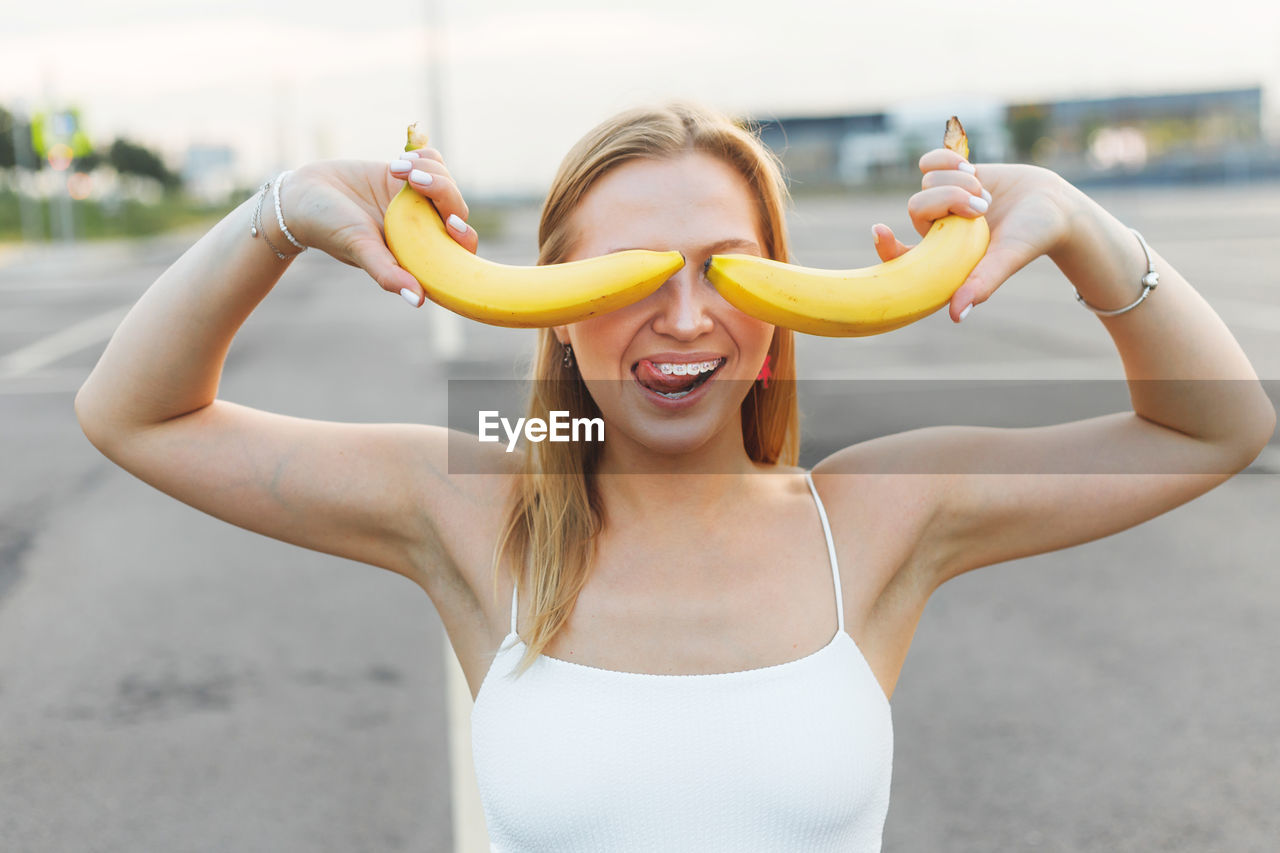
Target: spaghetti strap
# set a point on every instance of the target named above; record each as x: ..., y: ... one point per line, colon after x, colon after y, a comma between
x: 831, y: 557
x: 831, y: 550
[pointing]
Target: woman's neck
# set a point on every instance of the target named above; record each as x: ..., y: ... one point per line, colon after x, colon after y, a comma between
x: 638, y: 483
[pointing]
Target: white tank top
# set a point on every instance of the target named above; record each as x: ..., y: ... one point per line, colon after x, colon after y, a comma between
x: 792, y: 757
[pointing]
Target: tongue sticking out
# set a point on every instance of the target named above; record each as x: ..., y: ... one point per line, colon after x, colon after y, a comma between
x: 655, y: 380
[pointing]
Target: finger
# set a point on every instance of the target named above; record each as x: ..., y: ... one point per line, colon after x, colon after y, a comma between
x: 422, y: 155
x: 954, y: 178
x: 431, y: 179
x: 372, y: 255
x: 932, y: 204
x: 463, y: 233
x: 945, y: 158
x: 403, y: 164
x: 999, y: 263
x: 888, y: 246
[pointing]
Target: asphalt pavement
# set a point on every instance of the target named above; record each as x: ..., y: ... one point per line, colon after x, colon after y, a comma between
x: 169, y: 682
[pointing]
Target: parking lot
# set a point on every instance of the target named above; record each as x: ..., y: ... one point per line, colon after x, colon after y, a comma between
x: 170, y: 682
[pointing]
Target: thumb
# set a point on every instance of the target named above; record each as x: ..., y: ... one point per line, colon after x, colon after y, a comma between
x: 995, y: 267
x: 888, y: 246
x: 373, y: 256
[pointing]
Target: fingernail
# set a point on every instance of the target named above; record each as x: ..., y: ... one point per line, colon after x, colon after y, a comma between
x: 401, y: 165
x: 978, y: 204
x: 875, y: 235
x: 410, y: 155
x: 965, y: 312
x: 966, y: 166
x: 420, y: 177
x: 987, y: 196
x: 410, y: 296
x: 456, y: 223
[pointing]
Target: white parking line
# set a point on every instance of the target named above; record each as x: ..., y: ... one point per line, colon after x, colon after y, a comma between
x: 62, y: 343
x: 446, y: 332
x: 54, y: 381
x: 469, y: 832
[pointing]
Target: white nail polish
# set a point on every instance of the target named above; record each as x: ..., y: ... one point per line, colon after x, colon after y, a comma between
x: 966, y: 166
x: 965, y: 312
x: 401, y: 165
x: 987, y: 196
x: 875, y: 236
x: 978, y: 204
x: 410, y: 297
x: 456, y: 223
x: 420, y: 177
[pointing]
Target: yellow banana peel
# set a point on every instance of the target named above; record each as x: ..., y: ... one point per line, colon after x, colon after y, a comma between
x: 514, y: 296
x: 867, y: 301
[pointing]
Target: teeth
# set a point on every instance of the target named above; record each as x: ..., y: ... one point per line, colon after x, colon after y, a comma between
x: 688, y: 369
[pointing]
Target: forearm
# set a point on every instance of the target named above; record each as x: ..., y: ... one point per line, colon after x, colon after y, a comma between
x: 166, y: 357
x: 1172, y: 335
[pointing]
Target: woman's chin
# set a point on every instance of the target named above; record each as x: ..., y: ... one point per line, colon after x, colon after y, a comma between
x: 669, y: 446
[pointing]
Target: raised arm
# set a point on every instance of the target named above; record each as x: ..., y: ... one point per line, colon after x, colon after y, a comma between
x: 993, y: 497
x: 368, y: 492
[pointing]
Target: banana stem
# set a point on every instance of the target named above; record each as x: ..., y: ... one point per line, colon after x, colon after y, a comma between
x: 417, y: 138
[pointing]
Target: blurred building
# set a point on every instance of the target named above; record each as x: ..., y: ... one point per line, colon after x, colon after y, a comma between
x: 1190, y: 136
x: 879, y: 148
x: 1185, y: 136
x: 208, y: 172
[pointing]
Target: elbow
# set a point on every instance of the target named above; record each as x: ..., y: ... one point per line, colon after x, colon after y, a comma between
x: 1259, y: 438
x: 1248, y: 427
x: 91, y: 423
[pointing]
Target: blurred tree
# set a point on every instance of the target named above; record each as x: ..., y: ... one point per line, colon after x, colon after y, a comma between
x: 8, y: 157
x: 1027, y: 124
x: 1086, y: 128
x: 88, y: 162
x: 129, y: 158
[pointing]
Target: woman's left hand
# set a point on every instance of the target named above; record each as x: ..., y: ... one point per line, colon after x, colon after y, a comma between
x: 1027, y: 212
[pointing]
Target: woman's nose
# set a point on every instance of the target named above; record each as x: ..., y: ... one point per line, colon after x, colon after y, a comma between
x: 683, y: 304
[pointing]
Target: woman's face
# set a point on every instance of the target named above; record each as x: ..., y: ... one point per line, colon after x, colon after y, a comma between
x: 631, y: 358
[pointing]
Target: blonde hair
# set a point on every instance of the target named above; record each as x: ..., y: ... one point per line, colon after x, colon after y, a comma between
x: 556, y: 509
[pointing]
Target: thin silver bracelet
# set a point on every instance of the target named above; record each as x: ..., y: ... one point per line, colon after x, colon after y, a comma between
x: 1149, y: 282
x: 280, y: 216
x: 255, y: 225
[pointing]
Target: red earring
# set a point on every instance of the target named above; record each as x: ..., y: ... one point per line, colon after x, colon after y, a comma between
x: 765, y: 372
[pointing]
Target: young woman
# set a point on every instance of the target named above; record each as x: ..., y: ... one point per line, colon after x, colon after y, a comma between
x: 668, y: 650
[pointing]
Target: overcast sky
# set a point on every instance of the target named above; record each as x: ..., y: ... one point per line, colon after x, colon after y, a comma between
x: 521, y: 81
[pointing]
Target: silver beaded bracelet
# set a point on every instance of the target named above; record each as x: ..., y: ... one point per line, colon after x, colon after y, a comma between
x: 255, y: 226
x: 1149, y: 282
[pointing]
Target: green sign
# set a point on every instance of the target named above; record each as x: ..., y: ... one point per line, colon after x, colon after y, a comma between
x: 62, y: 126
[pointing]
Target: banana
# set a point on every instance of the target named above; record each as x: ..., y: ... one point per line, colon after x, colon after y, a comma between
x: 513, y: 296
x: 856, y: 302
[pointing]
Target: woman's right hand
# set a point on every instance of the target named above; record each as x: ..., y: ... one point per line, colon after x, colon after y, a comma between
x: 337, y: 206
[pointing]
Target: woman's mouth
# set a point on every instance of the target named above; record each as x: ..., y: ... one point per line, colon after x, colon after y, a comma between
x: 675, y: 380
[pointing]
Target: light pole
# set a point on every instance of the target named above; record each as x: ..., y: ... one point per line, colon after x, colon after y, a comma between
x: 435, y: 76
x: 446, y: 326
x: 60, y: 131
